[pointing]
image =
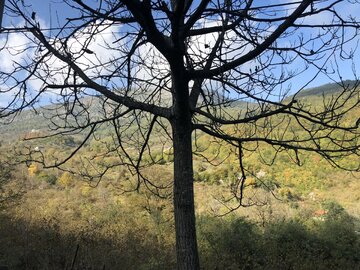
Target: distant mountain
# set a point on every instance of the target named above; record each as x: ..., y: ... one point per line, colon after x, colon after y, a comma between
x: 30, y: 121
x: 329, y: 88
x: 27, y: 121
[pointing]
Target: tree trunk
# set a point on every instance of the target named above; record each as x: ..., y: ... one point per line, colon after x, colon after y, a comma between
x: 184, y: 209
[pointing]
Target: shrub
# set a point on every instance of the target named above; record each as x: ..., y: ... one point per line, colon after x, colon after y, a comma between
x: 66, y: 180
x: 225, y: 244
x: 48, y: 178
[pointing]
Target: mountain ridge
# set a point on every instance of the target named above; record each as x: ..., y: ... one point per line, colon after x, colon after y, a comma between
x: 28, y: 120
x: 328, y: 88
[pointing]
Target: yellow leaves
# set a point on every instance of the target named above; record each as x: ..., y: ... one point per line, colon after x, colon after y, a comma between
x: 118, y: 199
x: 86, y: 190
x: 288, y: 175
x: 33, y: 169
x: 66, y: 180
x: 250, y: 181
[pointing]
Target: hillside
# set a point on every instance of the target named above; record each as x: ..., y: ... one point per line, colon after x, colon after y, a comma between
x: 302, y: 217
x: 30, y: 120
x: 328, y: 89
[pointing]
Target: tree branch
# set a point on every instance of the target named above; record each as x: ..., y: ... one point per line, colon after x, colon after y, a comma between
x: 258, y: 50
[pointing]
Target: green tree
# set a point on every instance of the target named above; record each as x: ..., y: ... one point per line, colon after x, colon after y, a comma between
x: 11, y: 183
x: 4, y: 178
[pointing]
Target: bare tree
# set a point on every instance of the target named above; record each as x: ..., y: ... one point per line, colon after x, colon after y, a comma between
x: 181, y: 66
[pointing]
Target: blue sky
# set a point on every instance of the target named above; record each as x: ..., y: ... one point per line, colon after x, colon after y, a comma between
x: 50, y: 12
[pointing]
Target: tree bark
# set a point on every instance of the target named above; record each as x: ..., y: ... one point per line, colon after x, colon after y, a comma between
x: 184, y: 209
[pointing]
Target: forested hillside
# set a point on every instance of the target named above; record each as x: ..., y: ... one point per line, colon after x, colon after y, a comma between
x: 301, y: 215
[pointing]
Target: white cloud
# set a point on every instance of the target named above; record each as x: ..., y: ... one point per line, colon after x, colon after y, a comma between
x: 99, y: 61
x: 14, y: 49
x: 14, y: 52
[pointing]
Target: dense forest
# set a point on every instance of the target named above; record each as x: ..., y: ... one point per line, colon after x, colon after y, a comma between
x: 300, y: 216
